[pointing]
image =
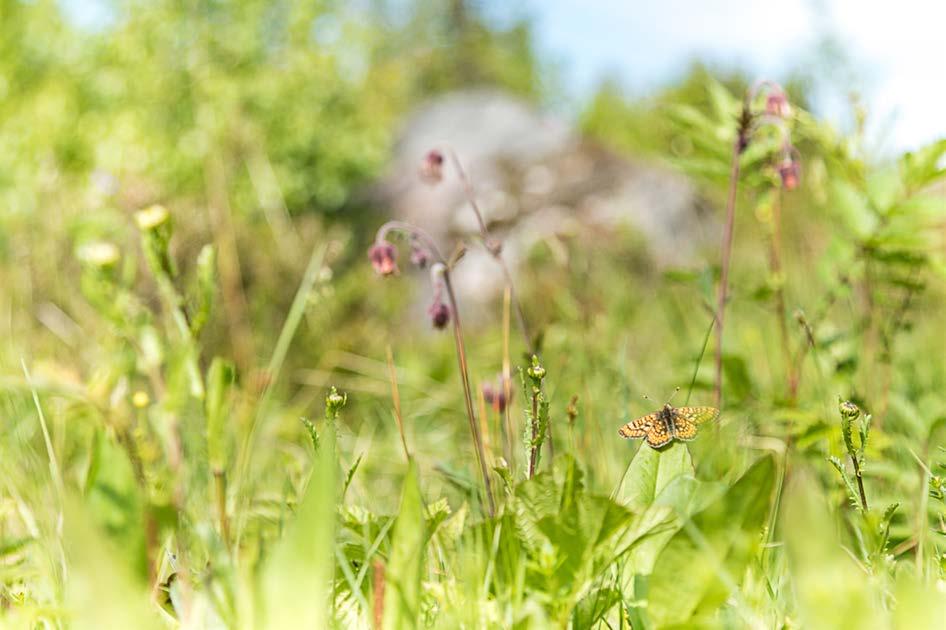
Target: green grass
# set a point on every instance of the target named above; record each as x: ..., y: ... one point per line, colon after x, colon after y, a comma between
x: 148, y: 478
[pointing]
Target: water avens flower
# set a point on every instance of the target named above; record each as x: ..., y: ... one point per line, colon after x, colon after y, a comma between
x: 431, y: 167
x: 439, y: 315
x: 383, y: 256
x: 776, y: 104
x: 789, y: 172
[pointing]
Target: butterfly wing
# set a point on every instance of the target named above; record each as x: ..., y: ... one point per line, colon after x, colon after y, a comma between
x: 638, y: 427
x: 660, y: 433
x: 687, y: 419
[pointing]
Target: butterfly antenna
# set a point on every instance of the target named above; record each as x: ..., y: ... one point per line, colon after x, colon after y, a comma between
x: 672, y: 395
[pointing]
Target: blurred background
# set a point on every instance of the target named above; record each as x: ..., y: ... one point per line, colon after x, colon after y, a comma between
x: 597, y: 137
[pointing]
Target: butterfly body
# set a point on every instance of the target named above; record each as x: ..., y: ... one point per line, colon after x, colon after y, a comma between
x: 669, y: 423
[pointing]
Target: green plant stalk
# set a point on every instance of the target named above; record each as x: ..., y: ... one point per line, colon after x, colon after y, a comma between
x: 467, y: 393
x: 860, y: 482
x: 220, y: 496
x: 534, y: 444
x: 293, y: 319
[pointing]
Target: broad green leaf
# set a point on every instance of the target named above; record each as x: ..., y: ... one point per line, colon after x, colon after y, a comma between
x: 297, y: 575
x: 406, y: 565
x: 651, y: 471
x: 220, y: 379
x: 832, y: 591
x: 102, y: 590
x: 707, y: 556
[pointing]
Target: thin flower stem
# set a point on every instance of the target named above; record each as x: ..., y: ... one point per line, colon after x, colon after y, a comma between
x: 413, y: 230
x: 508, y: 433
x: 467, y: 393
x: 396, y: 399
x: 220, y: 496
x: 739, y: 145
x: 493, y: 246
x: 779, y: 294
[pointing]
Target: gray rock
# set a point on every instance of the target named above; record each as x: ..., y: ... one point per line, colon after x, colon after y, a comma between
x: 534, y: 178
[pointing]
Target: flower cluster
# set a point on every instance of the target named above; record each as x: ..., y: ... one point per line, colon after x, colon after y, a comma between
x: 383, y: 257
x: 778, y: 111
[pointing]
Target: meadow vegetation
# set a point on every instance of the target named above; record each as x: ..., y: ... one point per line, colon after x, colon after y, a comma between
x: 215, y: 414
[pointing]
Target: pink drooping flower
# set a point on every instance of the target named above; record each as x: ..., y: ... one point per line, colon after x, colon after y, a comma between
x: 383, y: 256
x: 419, y: 255
x: 776, y: 104
x: 431, y: 167
x: 790, y: 173
x: 495, y: 396
x: 439, y: 314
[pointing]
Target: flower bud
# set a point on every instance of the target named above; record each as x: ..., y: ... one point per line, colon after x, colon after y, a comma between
x: 383, y: 256
x: 849, y: 410
x: 495, y: 396
x: 99, y: 254
x: 489, y: 394
x: 152, y: 217
x: 419, y: 256
x: 776, y: 104
x: 431, y: 167
x: 500, y: 401
x: 140, y: 399
x: 789, y: 172
x: 536, y: 372
x: 439, y: 314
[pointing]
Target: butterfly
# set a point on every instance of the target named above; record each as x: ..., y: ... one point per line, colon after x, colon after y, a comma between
x: 669, y: 423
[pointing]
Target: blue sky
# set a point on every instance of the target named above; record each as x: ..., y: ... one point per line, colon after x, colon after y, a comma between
x: 897, y: 50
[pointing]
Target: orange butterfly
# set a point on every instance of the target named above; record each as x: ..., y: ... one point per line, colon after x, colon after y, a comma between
x: 669, y: 423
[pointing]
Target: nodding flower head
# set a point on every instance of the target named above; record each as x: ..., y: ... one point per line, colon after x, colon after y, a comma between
x: 776, y: 104
x: 383, y: 257
x: 495, y: 397
x: 419, y: 255
x: 790, y: 172
x: 431, y: 167
x: 439, y: 314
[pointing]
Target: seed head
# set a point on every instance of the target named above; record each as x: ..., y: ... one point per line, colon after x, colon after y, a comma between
x: 383, y: 256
